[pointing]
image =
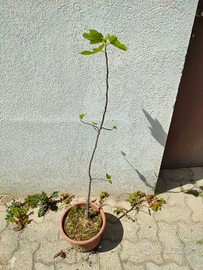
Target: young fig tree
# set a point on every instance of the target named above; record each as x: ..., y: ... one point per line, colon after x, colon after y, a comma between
x: 97, y: 38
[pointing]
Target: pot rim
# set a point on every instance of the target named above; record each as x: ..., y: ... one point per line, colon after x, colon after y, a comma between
x: 84, y: 203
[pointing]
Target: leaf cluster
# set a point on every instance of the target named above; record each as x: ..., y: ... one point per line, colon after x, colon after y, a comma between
x: 200, y: 242
x: 41, y: 200
x: 17, y: 212
x: 66, y: 197
x: 136, y: 198
x: 31, y: 201
x: 95, y: 38
x: 181, y: 188
x: 154, y: 202
x: 102, y: 195
x: 108, y: 178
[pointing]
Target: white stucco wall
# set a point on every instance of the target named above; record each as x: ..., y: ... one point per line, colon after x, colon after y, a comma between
x: 46, y: 84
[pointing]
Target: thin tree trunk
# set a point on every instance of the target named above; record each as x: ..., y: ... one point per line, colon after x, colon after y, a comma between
x: 98, y: 134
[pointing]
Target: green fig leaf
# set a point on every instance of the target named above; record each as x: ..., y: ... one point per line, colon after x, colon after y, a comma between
x: 114, y: 127
x: 114, y: 41
x: 81, y: 116
x: 95, y: 50
x: 110, y: 181
x: 105, y: 39
x: 94, y: 37
x: 108, y: 176
x: 94, y: 123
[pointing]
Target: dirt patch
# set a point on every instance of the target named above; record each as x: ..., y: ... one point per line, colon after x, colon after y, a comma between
x: 77, y: 227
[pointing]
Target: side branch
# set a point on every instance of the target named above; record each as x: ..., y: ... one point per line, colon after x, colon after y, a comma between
x: 109, y: 129
x: 100, y: 179
x: 95, y: 127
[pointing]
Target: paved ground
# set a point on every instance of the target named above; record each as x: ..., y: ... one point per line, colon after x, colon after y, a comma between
x: 167, y: 239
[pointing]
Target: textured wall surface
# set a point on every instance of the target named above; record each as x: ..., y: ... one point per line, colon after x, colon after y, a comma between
x: 46, y: 84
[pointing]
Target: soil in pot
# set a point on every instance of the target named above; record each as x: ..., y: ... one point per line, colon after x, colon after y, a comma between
x: 77, y: 227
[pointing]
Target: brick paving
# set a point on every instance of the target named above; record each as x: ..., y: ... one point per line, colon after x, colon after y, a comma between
x: 166, y: 239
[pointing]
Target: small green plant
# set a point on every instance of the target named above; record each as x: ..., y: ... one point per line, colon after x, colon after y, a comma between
x: 17, y: 214
x: 200, y: 193
x: 97, y: 38
x: 46, y: 202
x: 80, y: 249
x: 41, y: 200
x: 183, y: 243
x: 154, y: 202
x: 31, y: 201
x: 102, y: 195
x: 136, y: 198
x: 66, y: 197
x: 181, y: 188
x: 196, y: 193
x: 200, y: 242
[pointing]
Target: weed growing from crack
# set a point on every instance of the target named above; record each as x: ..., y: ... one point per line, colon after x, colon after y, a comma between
x: 181, y: 188
x: 196, y: 193
x: 102, y: 195
x: 155, y: 203
x: 136, y: 199
x: 42, y: 200
x: 200, y: 242
x: 17, y: 214
x: 66, y: 197
x: 183, y: 243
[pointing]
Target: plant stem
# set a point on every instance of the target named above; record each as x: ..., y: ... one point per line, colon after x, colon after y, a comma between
x: 98, y: 133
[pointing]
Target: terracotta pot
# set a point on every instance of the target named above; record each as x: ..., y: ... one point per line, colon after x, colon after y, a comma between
x: 90, y: 244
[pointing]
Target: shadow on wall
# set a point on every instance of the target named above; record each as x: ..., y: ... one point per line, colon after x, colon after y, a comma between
x: 139, y: 174
x: 160, y: 136
x: 156, y: 129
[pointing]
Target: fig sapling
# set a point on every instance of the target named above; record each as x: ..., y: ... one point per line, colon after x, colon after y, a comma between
x: 97, y: 38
